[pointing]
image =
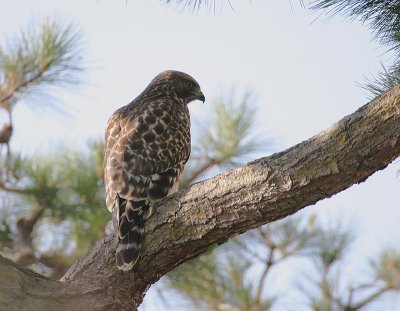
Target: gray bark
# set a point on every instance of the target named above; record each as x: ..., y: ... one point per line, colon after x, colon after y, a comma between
x: 215, y: 210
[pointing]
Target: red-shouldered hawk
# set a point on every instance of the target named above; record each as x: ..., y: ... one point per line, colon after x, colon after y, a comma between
x: 147, y: 146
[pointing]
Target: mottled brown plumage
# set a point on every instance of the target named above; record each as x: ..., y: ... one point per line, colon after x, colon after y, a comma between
x: 147, y: 146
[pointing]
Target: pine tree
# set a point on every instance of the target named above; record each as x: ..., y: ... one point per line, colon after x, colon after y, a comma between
x: 60, y: 197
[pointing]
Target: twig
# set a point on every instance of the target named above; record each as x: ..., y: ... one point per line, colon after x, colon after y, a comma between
x: 368, y: 299
x: 210, y: 162
x: 26, y: 83
x: 270, y: 262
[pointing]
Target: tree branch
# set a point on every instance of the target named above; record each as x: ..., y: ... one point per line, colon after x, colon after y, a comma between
x: 25, y: 254
x: 12, y: 90
x: 369, y: 299
x: 270, y: 262
x: 208, y: 163
x: 215, y: 210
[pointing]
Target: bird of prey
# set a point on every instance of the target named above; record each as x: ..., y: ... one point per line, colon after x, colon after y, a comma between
x: 147, y: 146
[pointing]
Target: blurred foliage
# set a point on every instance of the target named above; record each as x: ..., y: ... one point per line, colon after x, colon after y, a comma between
x: 220, y: 279
x: 229, y: 136
x: 226, y: 139
x: 66, y: 187
x: 387, y: 268
x: 39, y: 191
x: 241, y: 275
x: 330, y: 289
x: 37, y: 60
x: 70, y: 185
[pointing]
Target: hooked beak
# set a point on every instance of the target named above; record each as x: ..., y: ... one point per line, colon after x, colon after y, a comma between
x: 201, y: 97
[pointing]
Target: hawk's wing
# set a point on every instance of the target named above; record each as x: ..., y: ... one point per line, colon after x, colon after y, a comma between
x: 146, y: 149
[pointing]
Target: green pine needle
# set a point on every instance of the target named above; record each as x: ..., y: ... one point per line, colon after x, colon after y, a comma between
x: 38, y: 59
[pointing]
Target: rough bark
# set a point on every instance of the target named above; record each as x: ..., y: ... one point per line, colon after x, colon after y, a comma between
x: 218, y: 209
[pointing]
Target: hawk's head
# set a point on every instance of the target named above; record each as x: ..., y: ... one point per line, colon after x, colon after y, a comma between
x: 184, y: 86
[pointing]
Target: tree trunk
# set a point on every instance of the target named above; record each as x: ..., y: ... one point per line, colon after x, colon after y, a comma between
x: 215, y: 210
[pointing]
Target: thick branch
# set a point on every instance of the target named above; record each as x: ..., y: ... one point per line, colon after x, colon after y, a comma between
x: 218, y: 209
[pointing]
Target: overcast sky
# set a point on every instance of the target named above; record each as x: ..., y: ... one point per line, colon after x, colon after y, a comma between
x: 303, y: 69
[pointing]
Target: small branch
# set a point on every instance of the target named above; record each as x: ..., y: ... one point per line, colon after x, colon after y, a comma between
x: 367, y: 300
x: 350, y: 297
x: 267, y: 268
x: 364, y: 286
x: 6, y: 188
x: 253, y: 254
x: 25, y: 225
x: 26, y: 83
x: 209, y: 163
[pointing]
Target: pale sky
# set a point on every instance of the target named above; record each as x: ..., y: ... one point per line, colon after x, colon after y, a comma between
x: 303, y: 70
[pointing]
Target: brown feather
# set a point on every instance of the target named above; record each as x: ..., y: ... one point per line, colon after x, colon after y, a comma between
x: 147, y: 146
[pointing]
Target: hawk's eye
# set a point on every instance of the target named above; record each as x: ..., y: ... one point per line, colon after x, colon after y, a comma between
x: 190, y: 85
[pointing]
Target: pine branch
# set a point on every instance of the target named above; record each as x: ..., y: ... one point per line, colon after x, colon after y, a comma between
x: 15, y: 89
x: 25, y: 254
x: 385, y: 80
x: 208, y: 164
x: 367, y: 300
x: 226, y: 139
x: 40, y: 58
x: 261, y: 282
x: 5, y: 187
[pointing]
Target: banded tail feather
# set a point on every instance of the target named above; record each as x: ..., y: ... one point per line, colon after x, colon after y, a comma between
x: 129, y: 226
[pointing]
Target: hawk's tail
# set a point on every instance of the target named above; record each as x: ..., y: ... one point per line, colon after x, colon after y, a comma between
x: 130, y: 231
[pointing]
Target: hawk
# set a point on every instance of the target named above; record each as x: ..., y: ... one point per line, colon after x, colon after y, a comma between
x: 147, y: 146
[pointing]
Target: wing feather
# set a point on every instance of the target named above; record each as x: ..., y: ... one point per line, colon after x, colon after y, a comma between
x: 145, y: 149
